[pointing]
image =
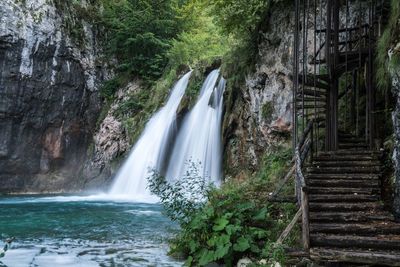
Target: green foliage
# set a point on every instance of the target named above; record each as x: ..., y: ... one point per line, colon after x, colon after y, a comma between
x: 237, y: 16
x: 388, y: 41
x: 110, y: 87
x: 267, y: 110
x: 135, y: 109
x: 203, y: 43
x: 140, y: 33
x: 275, y: 163
x: 233, y: 222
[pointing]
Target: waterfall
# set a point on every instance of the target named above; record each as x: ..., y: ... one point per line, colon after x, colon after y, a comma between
x: 149, y: 153
x: 199, y: 139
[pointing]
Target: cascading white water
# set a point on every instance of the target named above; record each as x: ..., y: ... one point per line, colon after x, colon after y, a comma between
x: 149, y: 152
x: 199, y: 139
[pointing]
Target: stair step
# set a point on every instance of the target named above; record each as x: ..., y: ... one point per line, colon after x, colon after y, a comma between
x: 343, y: 163
x: 343, y: 198
x: 311, y: 106
x: 350, y: 216
x: 343, y: 183
x: 353, y: 146
x: 341, y: 152
x: 370, y: 257
x: 309, y: 82
x: 363, y: 229
x: 339, y: 206
x: 347, y: 170
x: 351, y: 140
x: 311, y: 92
x: 356, y: 157
x: 357, y: 176
x: 313, y: 99
x: 342, y: 190
x: 350, y: 241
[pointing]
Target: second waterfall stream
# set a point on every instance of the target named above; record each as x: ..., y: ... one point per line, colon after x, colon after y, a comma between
x: 197, y: 141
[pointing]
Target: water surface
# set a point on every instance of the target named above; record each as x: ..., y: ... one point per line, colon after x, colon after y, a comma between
x: 84, y: 231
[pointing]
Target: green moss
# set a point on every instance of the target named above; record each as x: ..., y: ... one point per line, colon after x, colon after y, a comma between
x: 275, y: 163
x: 267, y: 110
x: 136, y: 109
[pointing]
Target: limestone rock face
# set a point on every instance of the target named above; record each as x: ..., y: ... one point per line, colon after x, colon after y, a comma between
x: 262, y: 110
x: 110, y: 143
x: 49, y: 100
x: 396, y: 152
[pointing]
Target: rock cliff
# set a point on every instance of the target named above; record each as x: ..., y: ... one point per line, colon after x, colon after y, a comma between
x: 261, y: 113
x: 49, y: 75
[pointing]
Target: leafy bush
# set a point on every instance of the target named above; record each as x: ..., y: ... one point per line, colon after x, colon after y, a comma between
x: 232, y: 222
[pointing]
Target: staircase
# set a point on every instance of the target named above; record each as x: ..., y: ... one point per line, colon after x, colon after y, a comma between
x: 348, y: 222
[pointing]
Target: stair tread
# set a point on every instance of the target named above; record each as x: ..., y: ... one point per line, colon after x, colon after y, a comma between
x: 359, y: 228
x: 347, y: 169
x: 344, y: 182
x: 364, y: 256
x: 358, y: 176
x: 347, y: 158
x: 342, y: 198
x: 341, y: 206
x: 388, y: 237
x: 350, y: 216
x: 350, y: 152
x: 380, y: 241
x: 342, y: 190
x: 347, y: 163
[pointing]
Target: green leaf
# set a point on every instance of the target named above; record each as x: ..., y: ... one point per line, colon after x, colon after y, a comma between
x: 193, y: 246
x: 206, y: 257
x: 222, y: 251
x: 245, y: 206
x: 189, y: 261
x: 241, y: 245
x: 261, y: 215
x: 220, y: 224
x: 231, y: 229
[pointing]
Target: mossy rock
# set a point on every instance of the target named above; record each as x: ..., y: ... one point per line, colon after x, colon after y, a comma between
x: 267, y: 110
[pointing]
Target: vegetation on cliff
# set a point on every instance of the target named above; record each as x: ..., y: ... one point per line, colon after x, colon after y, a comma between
x: 388, y: 56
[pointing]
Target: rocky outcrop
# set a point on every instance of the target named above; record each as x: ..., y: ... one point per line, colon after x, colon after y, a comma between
x: 396, y: 153
x: 110, y: 142
x: 261, y: 113
x: 49, y: 101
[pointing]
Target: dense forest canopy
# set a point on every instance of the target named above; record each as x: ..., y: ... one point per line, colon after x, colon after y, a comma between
x: 147, y: 36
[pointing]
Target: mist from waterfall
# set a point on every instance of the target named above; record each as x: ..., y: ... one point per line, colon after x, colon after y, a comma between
x: 199, y: 139
x: 150, y: 151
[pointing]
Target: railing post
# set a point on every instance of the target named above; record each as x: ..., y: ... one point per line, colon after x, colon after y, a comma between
x: 305, y: 219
